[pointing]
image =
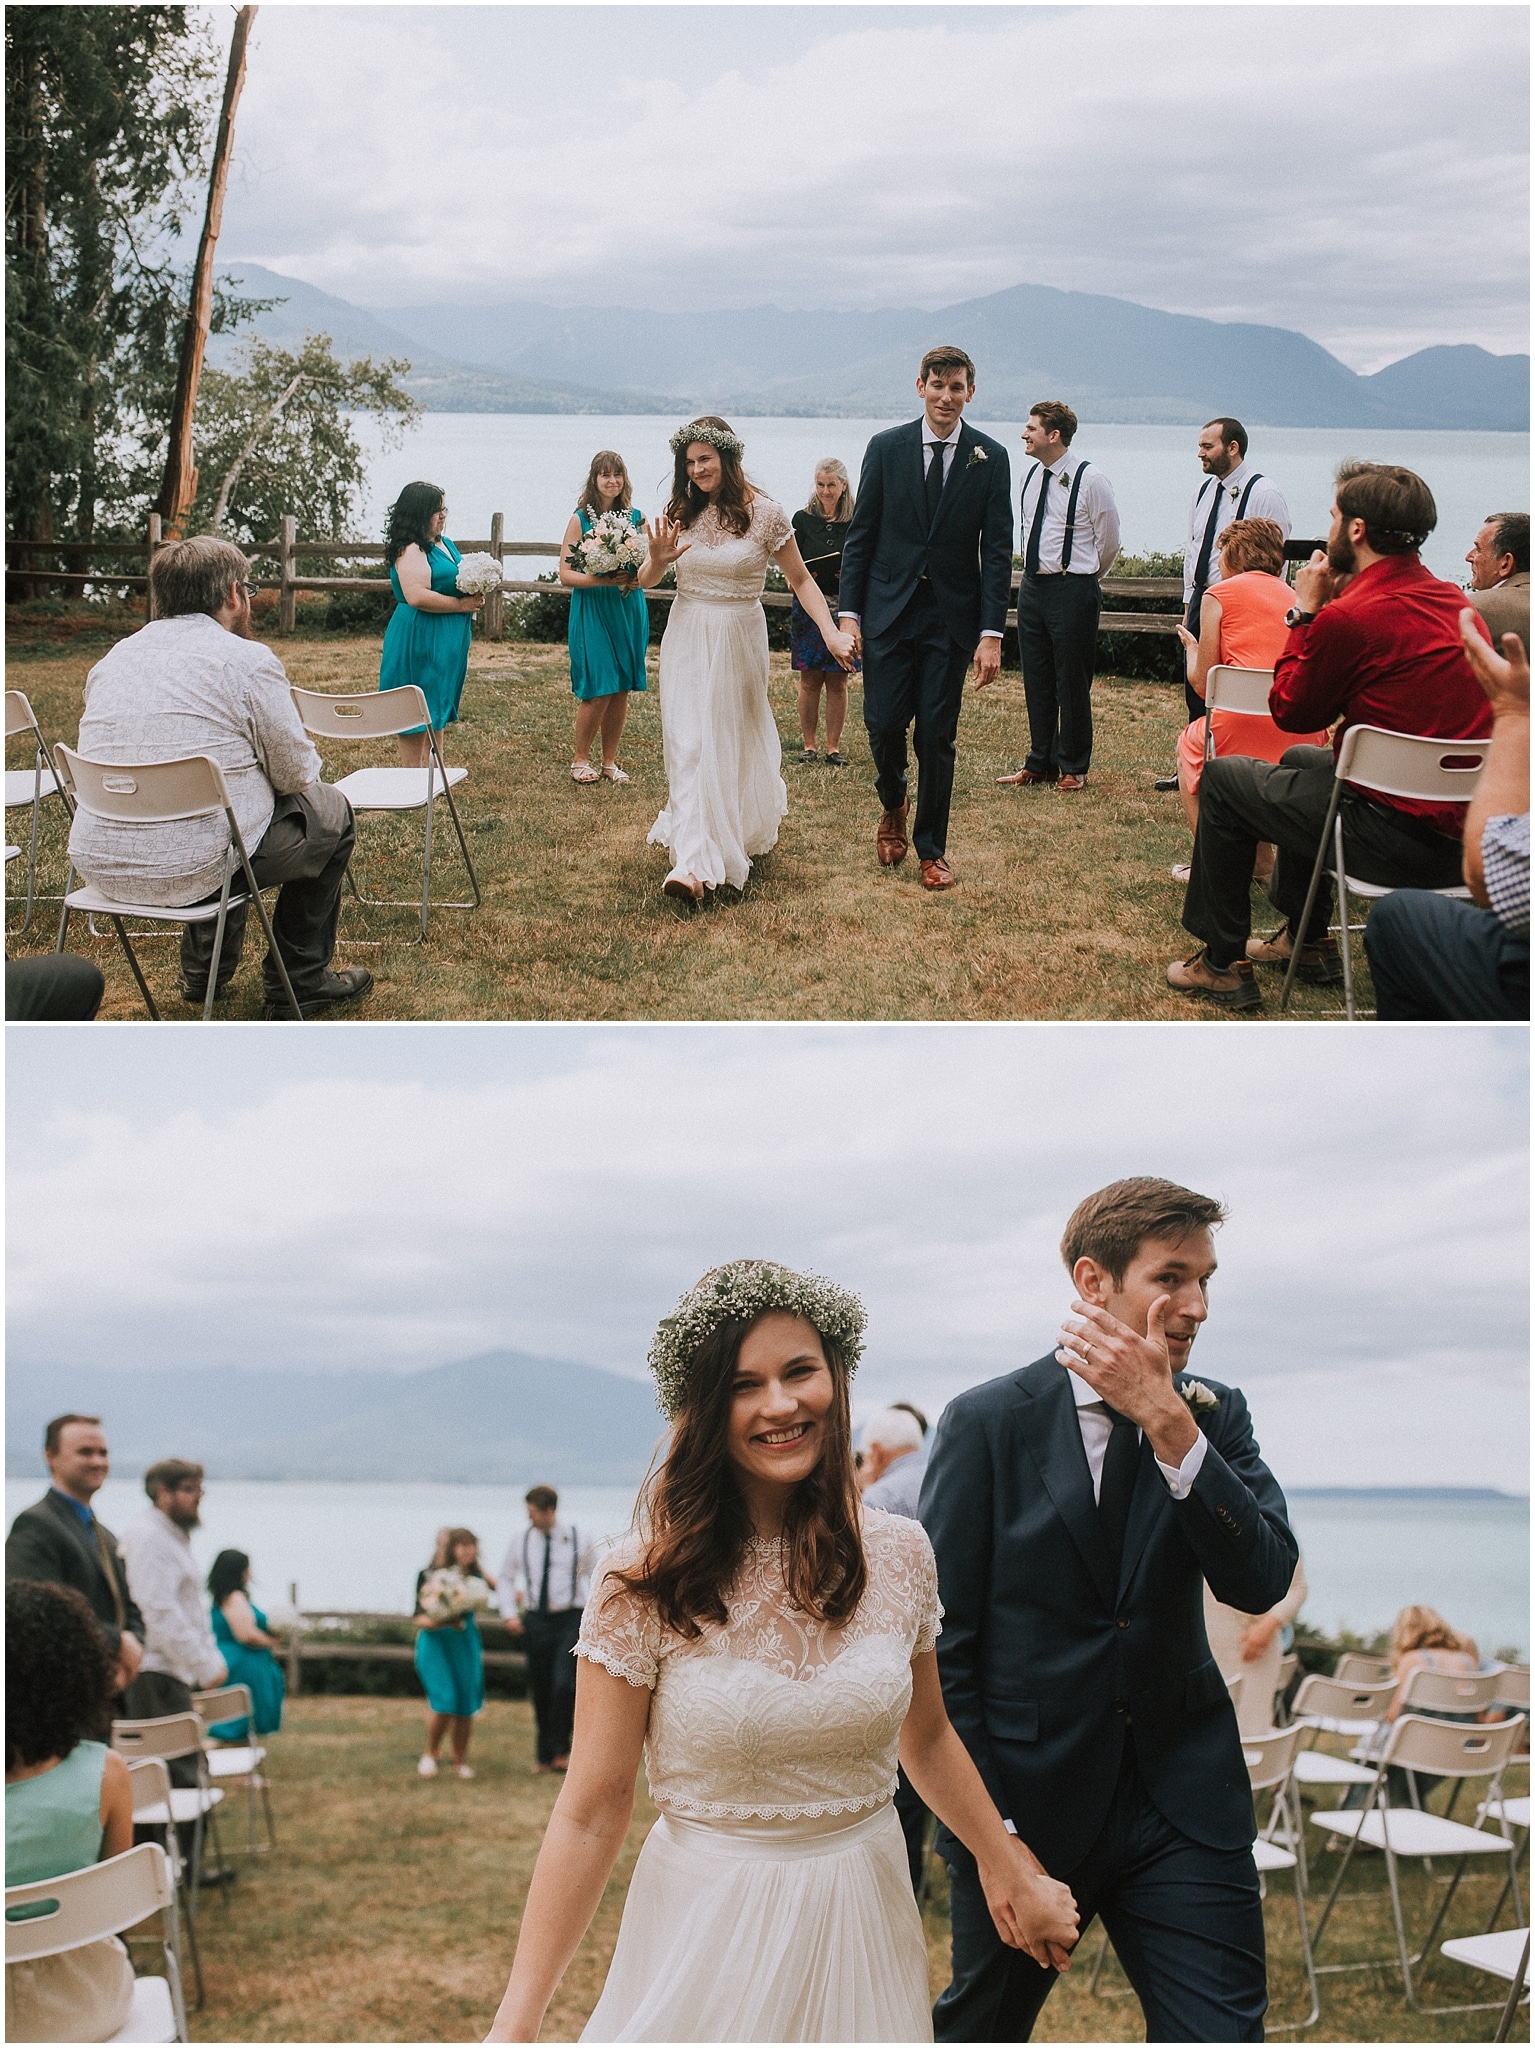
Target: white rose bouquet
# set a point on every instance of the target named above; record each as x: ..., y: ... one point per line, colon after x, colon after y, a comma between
x: 614, y: 547
x: 450, y: 1594
x: 478, y: 576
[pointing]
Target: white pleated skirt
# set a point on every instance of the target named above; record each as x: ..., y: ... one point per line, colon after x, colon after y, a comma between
x: 725, y: 792
x: 774, y: 1931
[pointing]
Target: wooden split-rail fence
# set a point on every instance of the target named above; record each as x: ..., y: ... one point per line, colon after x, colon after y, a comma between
x: 297, y: 1651
x: 31, y: 562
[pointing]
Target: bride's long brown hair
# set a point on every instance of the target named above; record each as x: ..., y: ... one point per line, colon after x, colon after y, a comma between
x: 694, y: 1514
x: 733, y: 499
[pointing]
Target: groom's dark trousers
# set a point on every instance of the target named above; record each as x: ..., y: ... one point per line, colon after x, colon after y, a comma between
x: 914, y: 675
x: 1090, y: 1702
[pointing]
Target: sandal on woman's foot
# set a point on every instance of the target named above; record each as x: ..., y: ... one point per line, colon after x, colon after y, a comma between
x: 613, y: 773
x: 835, y: 759
x: 583, y: 771
x: 684, y: 886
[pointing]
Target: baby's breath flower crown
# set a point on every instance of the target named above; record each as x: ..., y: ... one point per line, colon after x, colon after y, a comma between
x: 717, y: 437
x: 736, y: 1293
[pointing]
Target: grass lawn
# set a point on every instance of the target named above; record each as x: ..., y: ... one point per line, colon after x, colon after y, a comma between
x: 389, y: 1910
x: 1066, y: 908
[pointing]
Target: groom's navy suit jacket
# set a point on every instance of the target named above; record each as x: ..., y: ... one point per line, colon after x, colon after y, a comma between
x: 1045, y: 1663
x: 967, y: 553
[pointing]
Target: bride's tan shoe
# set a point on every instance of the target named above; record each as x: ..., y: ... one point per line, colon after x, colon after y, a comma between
x: 684, y: 886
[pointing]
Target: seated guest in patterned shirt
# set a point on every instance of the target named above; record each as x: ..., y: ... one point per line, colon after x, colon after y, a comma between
x: 1374, y: 640
x: 1440, y: 957
x: 195, y: 681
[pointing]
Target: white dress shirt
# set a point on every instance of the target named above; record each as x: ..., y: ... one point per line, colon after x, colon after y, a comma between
x: 1266, y: 502
x: 571, y: 1560
x: 1096, y: 1425
x: 178, y: 1634
x: 1095, y: 535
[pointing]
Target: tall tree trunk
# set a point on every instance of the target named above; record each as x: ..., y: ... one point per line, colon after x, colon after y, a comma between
x: 179, y: 487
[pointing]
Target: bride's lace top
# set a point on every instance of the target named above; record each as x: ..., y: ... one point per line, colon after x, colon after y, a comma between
x: 775, y: 1716
x: 718, y: 567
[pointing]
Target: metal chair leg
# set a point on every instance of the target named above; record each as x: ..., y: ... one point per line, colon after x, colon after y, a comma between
x: 1348, y: 944
x: 138, y: 972
x: 1515, y: 1993
x: 1296, y: 938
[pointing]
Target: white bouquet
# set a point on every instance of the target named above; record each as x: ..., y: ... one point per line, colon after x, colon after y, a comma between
x: 449, y: 1594
x: 478, y: 575
x: 614, y: 546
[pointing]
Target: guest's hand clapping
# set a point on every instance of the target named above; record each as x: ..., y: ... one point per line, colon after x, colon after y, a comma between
x: 665, y: 538
x: 1032, y: 1910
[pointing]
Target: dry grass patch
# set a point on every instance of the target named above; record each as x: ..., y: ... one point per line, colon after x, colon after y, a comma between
x: 390, y: 1909
x: 1066, y: 908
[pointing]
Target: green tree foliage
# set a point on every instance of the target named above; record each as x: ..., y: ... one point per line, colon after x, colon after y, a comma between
x: 108, y: 118
x: 277, y: 432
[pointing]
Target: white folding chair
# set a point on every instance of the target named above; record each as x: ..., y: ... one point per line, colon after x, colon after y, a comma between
x: 30, y: 787
x: 1440, y: 1749
x: 1270, y: 1763
x: 63, y: 1913
x: 1392, y: 764
x: 149, y: 1780
x: 1289, y: 1666
x: 1357, y: 1667
x: 158, y: 792
x: 1243, y: 690
x: 1514, y: 1687
x: 383, y: 714
x: 1500, y: 1955
x: 238, y: 1762
x: 171, y: 1737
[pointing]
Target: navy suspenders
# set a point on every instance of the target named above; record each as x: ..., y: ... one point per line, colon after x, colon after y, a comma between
x: 575, y: 1559
x: 1071, y: 508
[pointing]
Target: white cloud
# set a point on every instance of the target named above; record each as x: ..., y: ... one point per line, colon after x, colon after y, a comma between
x: 553, y: 1189
x: 1356, y: 172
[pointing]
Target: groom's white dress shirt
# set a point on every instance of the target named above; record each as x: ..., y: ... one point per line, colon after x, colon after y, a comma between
x: 1095, y: 542
x: 1095, y: 1423
x: 950, y: 446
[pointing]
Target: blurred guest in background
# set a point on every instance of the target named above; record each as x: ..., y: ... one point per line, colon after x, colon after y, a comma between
x: 543, y: 1587
x: 1253, y: 1645
x: 1232, y: 490
x: 449, y: 1659
x: 893, y: 1461
x: 179, y: 1651
x: 68, y: 1804
x: 427, y: 639
x: 1422, y: 1640
x: 1500, y: 575
x: 60, y: 1539
x: 609, y: 626
x: 820, y: 527
x: 241, y: 1631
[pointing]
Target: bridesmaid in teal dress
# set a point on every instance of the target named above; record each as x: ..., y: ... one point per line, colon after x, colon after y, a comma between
x: 427, y: 639
x: 240, y: 1630
x: 609, y: 626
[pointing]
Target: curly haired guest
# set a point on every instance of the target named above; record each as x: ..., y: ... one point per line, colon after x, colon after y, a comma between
x: 68, y: 1804
x: 427, y: 639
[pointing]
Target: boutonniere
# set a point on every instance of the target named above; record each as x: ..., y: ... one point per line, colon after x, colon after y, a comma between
x: 1199, y: 1396
x: 977, y: 454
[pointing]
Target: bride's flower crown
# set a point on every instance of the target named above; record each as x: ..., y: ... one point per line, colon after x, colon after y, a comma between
x: 717, y: 437
x: 736, y: 1293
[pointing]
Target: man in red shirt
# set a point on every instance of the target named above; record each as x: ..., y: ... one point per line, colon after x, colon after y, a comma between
x: 1374, y: 640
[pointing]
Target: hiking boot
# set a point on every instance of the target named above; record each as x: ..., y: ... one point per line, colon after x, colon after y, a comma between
x: 1321, y: 964
x: 344, y: 987
x: 1234, y: 987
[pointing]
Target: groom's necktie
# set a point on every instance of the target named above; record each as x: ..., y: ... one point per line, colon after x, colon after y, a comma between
x: 934, y: 480
x: 1120, y: 1461
x: 1031, y: 555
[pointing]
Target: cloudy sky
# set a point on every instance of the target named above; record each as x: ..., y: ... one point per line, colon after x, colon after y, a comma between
x: 1358, y: 173
x: 398, y: 1196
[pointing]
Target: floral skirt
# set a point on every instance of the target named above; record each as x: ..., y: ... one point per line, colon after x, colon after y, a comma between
x: 806, y: 647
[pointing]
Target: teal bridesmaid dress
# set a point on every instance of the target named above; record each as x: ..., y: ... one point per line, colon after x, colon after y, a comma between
x: 429, y: 648
x: 609, y: 631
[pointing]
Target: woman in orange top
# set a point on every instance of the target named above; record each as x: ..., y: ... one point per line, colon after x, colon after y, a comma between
x: 1241, y: 625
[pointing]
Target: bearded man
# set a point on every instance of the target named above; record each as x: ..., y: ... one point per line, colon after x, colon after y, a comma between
x: 1374, y: 640
x: 195, y: 680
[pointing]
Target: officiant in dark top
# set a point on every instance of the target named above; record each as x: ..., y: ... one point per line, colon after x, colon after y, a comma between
x: 820, y: 528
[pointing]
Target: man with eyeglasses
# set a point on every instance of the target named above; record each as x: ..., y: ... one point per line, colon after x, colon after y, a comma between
x: 195, y: 680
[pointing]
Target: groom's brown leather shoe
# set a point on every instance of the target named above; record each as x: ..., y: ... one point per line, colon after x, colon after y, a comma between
x: 890, y: 841
x: 937, y: 874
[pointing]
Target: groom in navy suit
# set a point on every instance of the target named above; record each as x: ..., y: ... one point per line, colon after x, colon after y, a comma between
x: 1077, y: 1507
x: 925, y: 578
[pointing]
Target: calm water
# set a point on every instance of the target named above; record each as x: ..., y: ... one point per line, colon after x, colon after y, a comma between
x: 361, y: 1546
x: 530, y: 467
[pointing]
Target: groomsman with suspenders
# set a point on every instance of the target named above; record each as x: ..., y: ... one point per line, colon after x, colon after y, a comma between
x: 548, y: 1572
x: 1071, y: 528
x: 1231, y: 490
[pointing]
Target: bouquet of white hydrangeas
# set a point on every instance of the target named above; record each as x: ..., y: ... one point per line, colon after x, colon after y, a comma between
x: 478, y: 575
x: 614, y: 546
x: 448, y: 1594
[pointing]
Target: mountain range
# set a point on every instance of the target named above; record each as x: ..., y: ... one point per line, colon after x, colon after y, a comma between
x: 500, y: 1417
x: 1114, y: 361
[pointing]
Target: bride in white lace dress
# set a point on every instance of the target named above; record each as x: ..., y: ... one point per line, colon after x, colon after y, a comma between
x: 768, y: 1645
x: 725, y: 794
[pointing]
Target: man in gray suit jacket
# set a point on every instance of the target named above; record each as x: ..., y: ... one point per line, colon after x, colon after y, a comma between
x: 60, y: 1540
x: 1500, y: 575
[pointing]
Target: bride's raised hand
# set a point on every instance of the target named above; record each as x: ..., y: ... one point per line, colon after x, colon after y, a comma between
x: 665, y: 538
x: 1033, y: 1911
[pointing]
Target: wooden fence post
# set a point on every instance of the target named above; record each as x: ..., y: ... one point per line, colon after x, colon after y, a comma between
x: 294, y: 1667
x: 493, y: 603
x: 288, y: 599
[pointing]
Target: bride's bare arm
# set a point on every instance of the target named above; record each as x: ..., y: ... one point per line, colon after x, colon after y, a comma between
x: 581, y: 1844
x: 1032, y: 1910
x: 813, y: 600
